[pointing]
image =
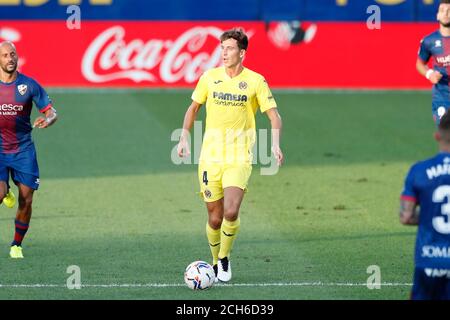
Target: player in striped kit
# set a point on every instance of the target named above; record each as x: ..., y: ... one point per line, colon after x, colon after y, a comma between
x: 17, y: 152
x: 436, y: 47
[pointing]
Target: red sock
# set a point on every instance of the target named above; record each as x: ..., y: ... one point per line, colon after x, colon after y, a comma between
x: 21, y: 230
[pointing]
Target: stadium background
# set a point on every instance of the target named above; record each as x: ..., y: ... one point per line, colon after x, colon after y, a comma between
x: 356, y: 115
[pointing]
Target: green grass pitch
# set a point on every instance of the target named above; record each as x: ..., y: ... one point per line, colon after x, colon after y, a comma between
x: 112, y: 202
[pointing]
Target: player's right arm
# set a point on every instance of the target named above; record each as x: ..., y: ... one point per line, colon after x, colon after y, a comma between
x: 409, y: 212
x: 199, y: 97
x: 189, y: 118
x: 422, y: 64
x: 430, y: 74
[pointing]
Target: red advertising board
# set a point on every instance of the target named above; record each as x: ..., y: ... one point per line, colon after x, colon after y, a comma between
x: 174, y: 54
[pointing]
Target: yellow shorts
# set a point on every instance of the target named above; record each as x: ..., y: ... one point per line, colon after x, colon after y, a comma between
x: 214, y: 177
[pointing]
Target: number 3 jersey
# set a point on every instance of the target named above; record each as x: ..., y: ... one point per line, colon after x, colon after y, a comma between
x: 16, y: 101
x: 428, y: 184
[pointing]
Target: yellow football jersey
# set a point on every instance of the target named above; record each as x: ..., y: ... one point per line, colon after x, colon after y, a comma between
x: 231, y: 105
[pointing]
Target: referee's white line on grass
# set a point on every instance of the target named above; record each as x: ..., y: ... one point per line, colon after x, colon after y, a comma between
x: 171, y: 285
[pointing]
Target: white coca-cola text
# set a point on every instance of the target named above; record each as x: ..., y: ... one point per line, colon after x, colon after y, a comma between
x: 109, y: 57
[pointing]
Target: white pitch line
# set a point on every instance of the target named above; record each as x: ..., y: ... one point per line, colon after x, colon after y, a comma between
x: 171, y: 285
x: 315, y: 284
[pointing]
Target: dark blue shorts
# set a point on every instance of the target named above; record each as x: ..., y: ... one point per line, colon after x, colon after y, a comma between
x: 431, y: 284
x: 439, y: 108
x: 22, y: 167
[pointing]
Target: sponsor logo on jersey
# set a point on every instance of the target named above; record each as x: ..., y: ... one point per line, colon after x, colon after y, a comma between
x: 445, y: 60
x: 229, y: 96
x: 9, y: 109
x: 22, y: 88
x: 437, y: 273
x: 435, y: 252
x: 218, y: 81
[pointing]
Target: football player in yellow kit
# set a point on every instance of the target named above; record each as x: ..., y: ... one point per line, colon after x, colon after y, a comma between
x: 232, y: 94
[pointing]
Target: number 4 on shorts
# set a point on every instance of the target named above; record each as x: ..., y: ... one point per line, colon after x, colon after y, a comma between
x: 205, y: 177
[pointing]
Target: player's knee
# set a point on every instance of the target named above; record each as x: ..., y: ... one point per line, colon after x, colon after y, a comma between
x: 231, y: 214
x: 215, y: 222
x: 215, y: 210
x: 25, y: 202
x: 3, y: 191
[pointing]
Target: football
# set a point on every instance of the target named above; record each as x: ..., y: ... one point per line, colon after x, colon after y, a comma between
x: 199, y: 275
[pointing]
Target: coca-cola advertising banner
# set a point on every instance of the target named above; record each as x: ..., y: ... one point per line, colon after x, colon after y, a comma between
x: 175, y: 54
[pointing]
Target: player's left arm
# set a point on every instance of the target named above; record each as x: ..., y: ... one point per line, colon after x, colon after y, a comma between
x: 409, y: 212
x: 277, y: 124
x: 44, y: 104
x: 268, y: 106
x: 49, y: 119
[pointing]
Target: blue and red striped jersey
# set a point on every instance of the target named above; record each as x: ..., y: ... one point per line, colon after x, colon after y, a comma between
x: 437, y: 47
x: 16, y: 102
x: 428, y: 184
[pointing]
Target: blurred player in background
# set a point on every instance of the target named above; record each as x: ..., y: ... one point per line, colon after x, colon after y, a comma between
x: 437, y: 45
x: 428, y: 185
x: 232, y: 95
x: 17, y: 151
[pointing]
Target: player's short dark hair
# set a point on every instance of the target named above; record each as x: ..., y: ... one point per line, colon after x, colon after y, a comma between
x: 444, y: 2
x: 444, y: 126
x: 237, y: 34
